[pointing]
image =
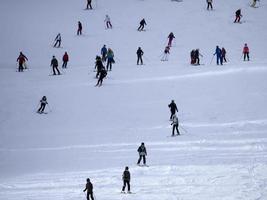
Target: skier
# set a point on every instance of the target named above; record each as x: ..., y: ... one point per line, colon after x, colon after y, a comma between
x: 139, y: 53
x: 89, y: 188
x: 126, y: 177
x: 246, y: 52
x: 224, y: 54
x: 107, y: 21
x: 54, y: 65
x: 104, y: 53
x: 193, y: 57
x: 209, y: 2
x: 142, y: 153
x: 218, y: 53
x: 254, y: 3
x: 238, y: 16
x: 142, y: 25
x: 43, y: 103
x: 80, y: 27
x: 110, y: 57
x: 165, y: 54
x: 173, y: 108
x: 103, y: 74
x: 89, y: 4
x: 57, y: 40
x: 171, y: 37
x: 22, y: 61
x: 197, y: 54
x: 175, y: 124
x: 65, y: 60
x: 98, y: 65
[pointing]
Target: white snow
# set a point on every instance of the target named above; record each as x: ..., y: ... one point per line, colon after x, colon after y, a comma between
x: 95, y: 132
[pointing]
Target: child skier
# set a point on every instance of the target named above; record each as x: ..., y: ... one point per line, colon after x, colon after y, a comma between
x: 43, y: 103
x: 89, y: 188
x: 175, y: 124
x: 142, y: 153
x: 126, y: 177
x: 107, y: 21
x: 224, y: 54
x: 165, y: 53
x: 246, y: 52
x: 104, y: 53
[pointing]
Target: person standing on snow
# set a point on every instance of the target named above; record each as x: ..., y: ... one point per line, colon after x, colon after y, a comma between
x: 246, y: 52
x: 126, y: 177
x: 197, y: 54
x: 139, y: 53
x: 54, y: 65
x: 175, y: 124
x: 173, y: 108
x: 209, y: 2
x: 254, y: 3
x: 57, y: 40
x: 43, y: 103
x: 193, y: 57
x: 104, y: 53
x: 170, y: 37
x: 98, y: 66
x: 107, y: 21
x: 142, y: 25
x: 218, y: 53
x: 110, y: 57
x: 238, y: 16
x: 102, y: 75
x: 142, y: 153
x: 166, y: 53
x: 89, y: 4
x: 80, y: 27
x: 89, y: 188
x: 65, y: 60
x: 224, y: 54
x: 22, y: 60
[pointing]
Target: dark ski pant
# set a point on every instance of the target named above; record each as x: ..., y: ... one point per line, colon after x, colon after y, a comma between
x: 175, y: 127
x: 126, y: 182
x: 90, y: 194
x: 41, y: 109
x: 20, y: 67
x: 197, y: 61
x: 55, y: 68
x: 224, y: 59
x: 139, y: 58
x: 109, y: 64
x: 170, y: 42
x: 140, y: 158
x: 209, y: 6
x: 89, y: 4
x: 108, y: 24
x: 79, y: 31
x: 64, y: 65
x: 100, y: 81
x: 172, y: 113
x: 141, y: 27
x: 219, y: 60
x: 237, y: 19
x: 246, y: 55
x: 57, y: 42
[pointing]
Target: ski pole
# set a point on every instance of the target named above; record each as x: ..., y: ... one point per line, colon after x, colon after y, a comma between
x: 145, y: 58
x: 50, y: 110
x: 184, y: 129
x: 212, y: 59
x: 36, y: 110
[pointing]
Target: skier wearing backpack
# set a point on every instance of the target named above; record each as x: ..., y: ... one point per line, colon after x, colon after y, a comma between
x: 142, y: 25
x: 166, y: 53
x: 107, y: 21
x: 175, y: 124
x: 142, y: 153
x: 246, y: 52
x: 238, y: 16
x: 218, y: 53
x: 104, y: 53
x: 21, y: 60
x: 170, y: 37
x: 65, y: 60
x: 89, y: 4
x: 54, y: 65
x: 89, y: 188
x: 110, y: 57
x: 57, y: 40
x: 139, y: 53
x: 209, y: 2
x: 43, y: 103
x: 80, y: 27
x: 98, y: 65
x: 173, y: 108
x: 126, y: 177
x: 103, y: 74
x: 224, y: 54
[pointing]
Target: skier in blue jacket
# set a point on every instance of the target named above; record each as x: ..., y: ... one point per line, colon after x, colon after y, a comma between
x: 218, y: 53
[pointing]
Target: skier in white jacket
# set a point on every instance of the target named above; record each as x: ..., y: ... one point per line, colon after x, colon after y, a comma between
x: 107, y: 21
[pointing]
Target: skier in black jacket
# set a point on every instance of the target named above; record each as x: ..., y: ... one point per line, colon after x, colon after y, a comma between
x: 238, y: 16
x: 103, y: 74
x: 89, y: 188
x: 142, y: 153
x: 89, y: 4
x: 43, y: 103
x: 98, y: 65
x: 142, y: 25
x: 173, y: 108
x: 80, y: 28
x: 54, y: 64
x: 126, y: 177
x: 139, y: 53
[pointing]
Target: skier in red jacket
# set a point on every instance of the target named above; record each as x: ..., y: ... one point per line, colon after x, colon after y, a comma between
x: 21, y: 59
x: 65, y: 60
x: 246, y: 52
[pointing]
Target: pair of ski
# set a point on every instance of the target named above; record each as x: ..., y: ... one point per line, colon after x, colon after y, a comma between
x: 144, y: 165
x: 41, y: 112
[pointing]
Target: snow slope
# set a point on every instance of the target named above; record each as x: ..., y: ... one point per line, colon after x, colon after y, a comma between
x: 94, y: 132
